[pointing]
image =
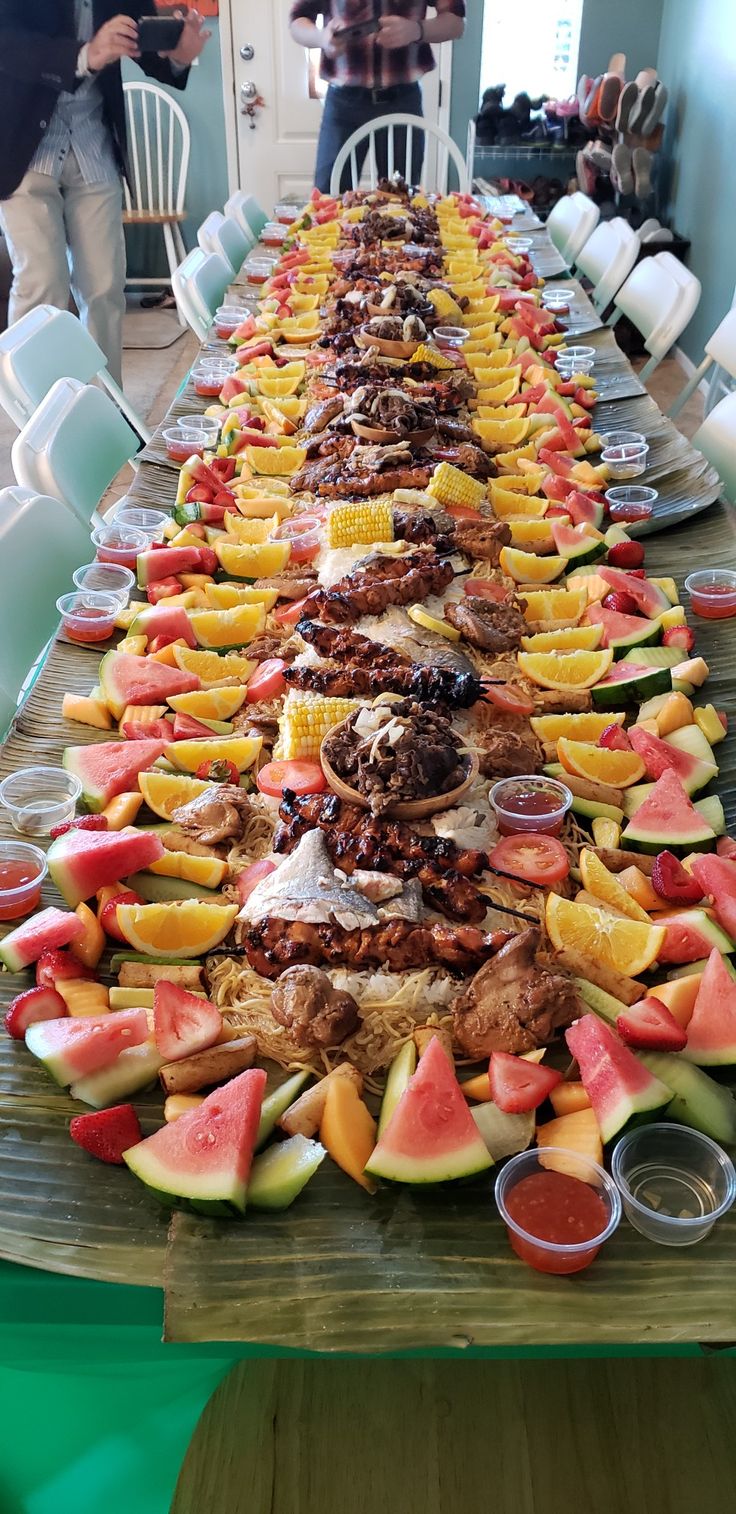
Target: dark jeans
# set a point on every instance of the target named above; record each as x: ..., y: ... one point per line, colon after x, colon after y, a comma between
x: 346, y: 108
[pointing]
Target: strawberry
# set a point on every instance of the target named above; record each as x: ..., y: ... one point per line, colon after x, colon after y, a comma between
x: 517, y: 1085
x: 672, y: 882
x: 626, y: 554
x: 107, y: 1133
x: 614, y: 739
x: 35, y: 1004
x: 679, y: 636
x: 621, y: 602
x: 650, y: 1026
x: 83, y: 823
x: 108, y: 916
x: 55, y: 964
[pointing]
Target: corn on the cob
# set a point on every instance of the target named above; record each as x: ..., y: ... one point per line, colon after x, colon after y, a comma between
x: 450, y: 486
x: 305, y: 721
x: 431, y: 355
x: 361, y: 521
x: 447, y: 308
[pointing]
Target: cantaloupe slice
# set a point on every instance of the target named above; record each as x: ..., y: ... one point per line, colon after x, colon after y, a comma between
x: 573, y: 1132
x: 638, y: 886
x: 348, y: 1131
x: 87, y: 711
x: 569, y: 1098
x: 122, y: 811
x: 88, y: 948
x: 679, y: 996
x: 82, y: 997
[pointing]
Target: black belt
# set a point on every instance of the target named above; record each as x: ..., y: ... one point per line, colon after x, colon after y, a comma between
x: 377, y: 96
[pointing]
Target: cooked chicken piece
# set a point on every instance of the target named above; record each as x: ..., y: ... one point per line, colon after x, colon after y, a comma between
x: 482, y: 539
x: 507, y: 754
x: 489, y: 626
x: 313, y: 1012
x: 320, y: 415
x: 264, y: 647
x: 289, y: 586
x: 513, y: 1004
x: 217, y: 814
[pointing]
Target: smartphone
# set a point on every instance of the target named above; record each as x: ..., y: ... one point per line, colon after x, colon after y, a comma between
x: 359, y: 29
x: 159, y: 34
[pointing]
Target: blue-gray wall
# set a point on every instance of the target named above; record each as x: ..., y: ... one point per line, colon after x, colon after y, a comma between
x: 697, y: 61
x: 627, y: 26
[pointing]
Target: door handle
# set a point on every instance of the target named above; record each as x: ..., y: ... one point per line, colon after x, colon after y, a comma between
x: 248, y: 90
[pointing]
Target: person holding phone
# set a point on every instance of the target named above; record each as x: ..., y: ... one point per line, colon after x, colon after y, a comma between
x: 63, y: 150
x: 374, y: 53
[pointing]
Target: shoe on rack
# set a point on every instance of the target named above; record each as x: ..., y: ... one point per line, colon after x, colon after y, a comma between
x: 641, y: 161
x: 654, y: 116
x: 626, y: 102
x: 606, y: 103
x: 622, y: 176
x: 645, y: 77
x: 652, y: 143
x: 617, y: 65
x: 647, y: 227
x: 588, y: 106
x: 599, y: 155
x: 661, y: 236
x: 586, y: 174
x: 642, y: 108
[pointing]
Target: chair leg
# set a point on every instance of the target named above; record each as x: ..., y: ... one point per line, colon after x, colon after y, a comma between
x: 172, y: 258
x: 612, y: 319
x: 648, y: 369
x: 127, y: 409
x: 181, y: 250
x: 690, y: 387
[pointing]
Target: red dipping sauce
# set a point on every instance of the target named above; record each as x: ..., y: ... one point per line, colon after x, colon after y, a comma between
x: 530, y: 803
x: 208, y: 387
x: 180, y: 452
x: 15, y: 875
x: 558, y: 1209
x: 718, y: 604
x: 89, y: 624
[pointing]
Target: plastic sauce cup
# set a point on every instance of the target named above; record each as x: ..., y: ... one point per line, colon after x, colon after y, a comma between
x: 119, y: 544
x: 208, y: 382
x: 39, y: 798
x: 87, y: 616
x: 712, y: 593
x: 631, y: 502
x: 450, y: 336
x: 105, y: 578
x: 556, y: 300
x: 530, y: 803
x: 209, y: 425
x: 576, y: 355
x: 674, y: 1182
x: 554, y: 1256
x: 627, y: 461
x: 22, y: 871
x: 137, y: 518
x: 624, y: 439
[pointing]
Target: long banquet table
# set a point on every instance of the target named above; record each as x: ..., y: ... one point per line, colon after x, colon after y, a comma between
x: 74, y: 1331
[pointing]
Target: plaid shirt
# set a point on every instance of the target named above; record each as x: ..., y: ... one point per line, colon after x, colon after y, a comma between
x: 364, y: 63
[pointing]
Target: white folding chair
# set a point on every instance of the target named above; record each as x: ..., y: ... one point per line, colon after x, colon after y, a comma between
x: 716, y: 439
x: 720, y: 350
x: 158, y: 153
x: 446, y: 151
x: 223, y: 235
x: 248, y: 213
x: 73, y: 447
x: 570, y: 222
x: 470, y: 152
x: 658, y: 303
x: 43, y: 346
x: 199, y: 284
x: 607, y: 258
x: 42, y: 541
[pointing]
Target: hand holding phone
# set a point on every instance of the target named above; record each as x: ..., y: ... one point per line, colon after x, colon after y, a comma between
x: 159, y: 34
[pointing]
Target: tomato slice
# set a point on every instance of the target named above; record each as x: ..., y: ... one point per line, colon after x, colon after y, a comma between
x: 462, y: 512
x: 267, y: 682
x: 485, y: 588
x: 532, y: 856
x: 300, y: 777
x: 289, y: 614
x: 251, y: 877
x: 506, y: 696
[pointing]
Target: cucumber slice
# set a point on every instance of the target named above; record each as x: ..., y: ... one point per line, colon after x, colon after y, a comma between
x: 276, y: 1103
x: 118, y: 958
x: 399, y: 1073
x: 279, y: 1174
x: 155, y: 888
x: 690, y: 738
x: 655, y: 657
x: 594, y: 809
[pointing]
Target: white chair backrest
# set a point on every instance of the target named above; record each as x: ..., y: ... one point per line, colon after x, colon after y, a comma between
x: 608, y: 257
x: 447, y: 151
x: 73, y: 446
x: 570, y: 222
x: 199, y: 284
x: 42, y: 541
x: 158, y: 151
x: 716, y: 439
x: 470, y: 152
x: 247, y: 212
x: 222, y: 234
x: 658, y: 304
x: 43, y: 346
x: 721, y: 346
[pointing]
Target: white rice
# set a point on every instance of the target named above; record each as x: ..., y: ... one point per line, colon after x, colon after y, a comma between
x: 417, y: 989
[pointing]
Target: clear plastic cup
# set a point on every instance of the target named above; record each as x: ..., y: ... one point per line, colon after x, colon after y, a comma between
x: 138, y: 518
x: 712, y: 593
x: 87, y: 616
x: 573, y: 370
x: 628, y: 461
x: 38, y: 798
x: 181, y: 443
x: 105, y: 578
x: 631, y: 502
x: 218, y: 358
x: 274, y: 234
x: 228, y: 318
x: 576, y: 355
x: 450, y: 336
x: 674, y: 1182
x: 556, y: 300
x: 197, y: 424
x: 208, y: 382
x: 22, y: 871
x: 530, y: 803
x: 624, y: 439
x: 258, y: 270
x: 119, y: 544
x: 552, y: 1163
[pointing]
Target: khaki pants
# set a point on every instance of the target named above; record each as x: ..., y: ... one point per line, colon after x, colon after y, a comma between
x: 69, y: 236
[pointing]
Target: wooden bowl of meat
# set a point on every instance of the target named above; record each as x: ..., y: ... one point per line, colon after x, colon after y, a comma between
x: 414, y: 770
x: 387, y: 348
x: 385, y: 438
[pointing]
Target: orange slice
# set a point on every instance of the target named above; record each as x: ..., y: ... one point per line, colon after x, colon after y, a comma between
x: 569, y: 639
x: 565, y: 670
x: 606, y: 887
x: 213, y: 670
x: 627, y: 946
x: 188, y: 755
x: 526, y: 568
x: 181, y: 928
x: 587, y: 726
x: 600, y: 764
x: 276, y: 460
x: 563, y: 605
x: 166, y: 792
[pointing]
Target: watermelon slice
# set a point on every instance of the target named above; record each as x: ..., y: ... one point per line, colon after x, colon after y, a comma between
x: 691, y: 935
x: 131, y: 1071
x: 73, y: 1048
x: 584, y: 508
x: 42, y: 933
x: 431, y: 1136
x: 125, y: 679
x: 171, y: 621
x: 579, y: 544
x: 203, y: 1160
x: 166, y: 562
x: 659, y: 756
x: 622, y: 631
x: 616, y: 1082
x: 717, y: 878
x: 107, y: 768
x: 183, y: 1023
x: 711, y: 1031
x: 80, y: 862
x: 667, y: 818
x: 652, y: 600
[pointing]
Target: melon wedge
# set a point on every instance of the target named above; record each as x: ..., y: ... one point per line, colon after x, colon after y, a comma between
x: 80, y: 862
x: 108, y: 768
x: 711, y: 1030
x: 203, y: 1159
x: 618, y: 1085
x: 74, y: 1048
x: 667, y: 818
x: 125, y: 679
x: 431, y: 1136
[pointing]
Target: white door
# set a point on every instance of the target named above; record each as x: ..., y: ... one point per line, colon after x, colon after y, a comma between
x: 276, y: 156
